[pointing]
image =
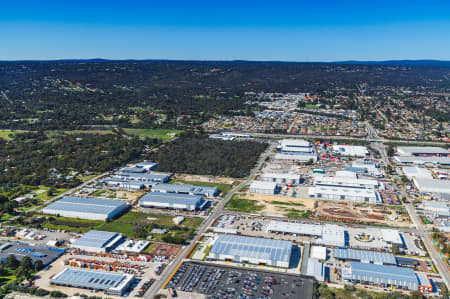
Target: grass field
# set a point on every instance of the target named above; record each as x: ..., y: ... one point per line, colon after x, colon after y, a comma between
x: 243, y: 205
x: 223, y: 188
x: 44, y: 195
x: 85, y: 178
x: 153, y: 133
x: 5, y: 134
x: 53, y: 133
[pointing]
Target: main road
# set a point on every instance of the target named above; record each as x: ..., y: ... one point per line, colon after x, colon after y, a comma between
x: 154, y: 289
x: 434, y: 254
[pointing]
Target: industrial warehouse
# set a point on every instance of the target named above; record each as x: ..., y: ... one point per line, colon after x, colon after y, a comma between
x: 422, y: 151
x: 259, y: 251
x: 261, y: 187
x: 281, y: 178
x: 432, y: 161
x: 345, y: 194
x: 369, y: 257
x: 295, y: 150
x: 186, y: 189
x: 328, y: 234
x: 110, y: 283
x: 91, y: 208
x: 172, y: 201
x: 387, y: 276
x: 432, y: 185
x: 97, y: 241
x: 350, y: 150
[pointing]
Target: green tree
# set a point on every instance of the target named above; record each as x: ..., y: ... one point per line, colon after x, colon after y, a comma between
x: 11, y: 262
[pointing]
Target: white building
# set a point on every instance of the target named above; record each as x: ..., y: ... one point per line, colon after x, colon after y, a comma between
x: 350, y: 150
x: 261, y: 187
x: 315, y: 269
x: 318, y: 252
x: 333, y: 235
x: 91, y: 208
x: 432, y: 185
x: 439, y: 208
x: 416, y: 172
x: 345, y: 194
x: 338, y: 181
x: 422, y: 151
x: 294, y: 146
x: 299, y: 229
x: 259, y: 251
x: 97, y: 241
x: 281, y: 178
x: 392, y: 236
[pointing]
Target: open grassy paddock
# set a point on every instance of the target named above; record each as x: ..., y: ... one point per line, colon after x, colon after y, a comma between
x: 165, y: 135
x: 9, y: 134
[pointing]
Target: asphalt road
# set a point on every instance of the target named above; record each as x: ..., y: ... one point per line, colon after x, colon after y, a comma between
x: 154, y: 289
x: 432, y: 250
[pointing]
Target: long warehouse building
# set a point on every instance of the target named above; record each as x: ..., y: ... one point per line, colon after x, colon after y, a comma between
x: 350, y: 194
x: 172, y: 201
x: 259, y: 251
x: 386, y: 276
x: 97, y: 241
x: 432, y: 185
x: 186, y: 189
x: 110, y: 283
x: 369, y: 257
x: 91, y: 208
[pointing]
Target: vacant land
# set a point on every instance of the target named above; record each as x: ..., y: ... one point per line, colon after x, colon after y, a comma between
x: 243, y: 205
x: 204, y: 156
x: 165, y: 135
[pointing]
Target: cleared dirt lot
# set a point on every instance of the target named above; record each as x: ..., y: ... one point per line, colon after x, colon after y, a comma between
x: 202, y: 178
x: 279, y: 205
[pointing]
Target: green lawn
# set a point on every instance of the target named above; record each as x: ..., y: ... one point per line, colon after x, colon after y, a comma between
x: 149, y: 247
x: 290, y: 203
x: 223, y: 188
x: 5, y: 134
x: 243, y: 205
x: 311, y: 106
x: 44, y: 195
x: 5, y: 217
x: 85, y: 178
x: 153, y: 133
x: 52, y: 133
x: 293, y: 213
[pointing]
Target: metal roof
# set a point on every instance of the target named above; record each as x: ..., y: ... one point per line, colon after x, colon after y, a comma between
x: 96, y: 239
x: 263, y: 185
x: 198, y: 190
x: 291, y: 176
x: 99, y: 280
x: 422, y: 150
x: 391, y: 236
x: 144, y: 176
x: 423, y: 160
x: 432, y: 185
x: 315, y: 269
x: 91, y: 205
x: 172, y: 198
x: 295, y: 228
x: 364, y: 256
x: 134, y: 170
x: 384, y: 274
x: 251, y: 247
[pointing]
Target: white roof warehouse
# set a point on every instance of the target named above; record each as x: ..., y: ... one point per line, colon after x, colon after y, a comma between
x: 86, y: 208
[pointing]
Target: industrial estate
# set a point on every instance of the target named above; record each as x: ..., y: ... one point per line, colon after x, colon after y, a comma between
x: 267, y: 195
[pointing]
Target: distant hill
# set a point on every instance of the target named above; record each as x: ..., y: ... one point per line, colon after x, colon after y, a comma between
x: 398, y: 62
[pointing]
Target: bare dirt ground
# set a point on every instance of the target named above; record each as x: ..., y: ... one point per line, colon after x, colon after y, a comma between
x: 361, y: 213
x: 130, y: 196
x: 278, y: 205
x: 203, y: 178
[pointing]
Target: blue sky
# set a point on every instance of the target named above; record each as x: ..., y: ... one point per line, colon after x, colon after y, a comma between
x: 225, y: 30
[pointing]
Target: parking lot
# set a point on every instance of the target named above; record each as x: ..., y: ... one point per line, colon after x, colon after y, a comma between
x: 230, y: 282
